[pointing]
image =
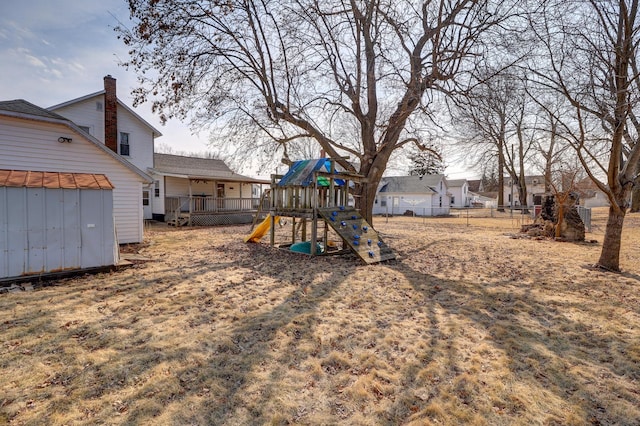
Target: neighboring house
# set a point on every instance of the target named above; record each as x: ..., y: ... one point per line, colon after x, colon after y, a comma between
x: 459, y: 190
x: 118, y: 127
x: 35, y: 139
x: 202, y: 191
x: 423, y: 195
x: 475, y: 185
x: 535, y: 190
x: 590, y: 195
x: 483, y: 199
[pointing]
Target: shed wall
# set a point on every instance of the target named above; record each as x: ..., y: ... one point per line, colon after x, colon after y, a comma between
x: 49, y: 230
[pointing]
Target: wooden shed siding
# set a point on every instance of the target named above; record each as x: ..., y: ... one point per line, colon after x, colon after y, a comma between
x: 32, y: 145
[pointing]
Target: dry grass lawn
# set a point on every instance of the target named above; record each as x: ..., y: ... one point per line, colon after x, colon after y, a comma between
x: 468, y: 326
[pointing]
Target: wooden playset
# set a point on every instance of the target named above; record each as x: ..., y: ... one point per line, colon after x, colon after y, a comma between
x: 313, y: 191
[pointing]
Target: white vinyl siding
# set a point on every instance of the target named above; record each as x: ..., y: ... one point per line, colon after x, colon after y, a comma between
x: 86, y: 114
x: 33, y: 145
x: 140, y: 136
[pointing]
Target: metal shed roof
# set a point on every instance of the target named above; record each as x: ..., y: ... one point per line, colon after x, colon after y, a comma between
x: 53, y: 180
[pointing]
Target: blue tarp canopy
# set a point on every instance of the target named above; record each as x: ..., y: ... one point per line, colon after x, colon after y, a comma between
x: 301, y: 173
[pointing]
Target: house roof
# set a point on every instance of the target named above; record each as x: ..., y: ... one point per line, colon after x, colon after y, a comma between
x: 455, y: 182
x: 485, y: 196
x: 19, y: 108
x: 197, y: 168
x: 411, y: 184
x: 528, y: 180
x: 53, y: 180
x: 156, y: 132
x: 474, y: 185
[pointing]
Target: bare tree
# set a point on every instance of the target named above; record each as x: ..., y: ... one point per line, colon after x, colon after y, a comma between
x: 589, y: 52
x: 348, y: 75
x: 493, y: 116
x: 549, y: 147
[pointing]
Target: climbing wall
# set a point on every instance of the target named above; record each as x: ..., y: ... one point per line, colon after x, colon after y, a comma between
x: 358, y: 234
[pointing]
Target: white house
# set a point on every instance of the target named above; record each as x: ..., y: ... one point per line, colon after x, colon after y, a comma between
x: 535, y: 189
x: 423, y: 195
x: 115, y: 125
x: 35, y: 139
x: 590, y: 195
x: 459, y: 190
x: 483, y: 200
x: 204, y: 191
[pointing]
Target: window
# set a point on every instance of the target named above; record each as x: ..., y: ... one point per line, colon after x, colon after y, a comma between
x: 145, y: 198
x: 98, y: 106
x: 85, y: 129
x: 156, y: 188
x: 440, y: 201
x: 383, y: 203
x: 453, y: 200
x: 124, y: 143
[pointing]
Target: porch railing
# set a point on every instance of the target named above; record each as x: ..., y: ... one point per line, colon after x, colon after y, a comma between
x: 200, y: 205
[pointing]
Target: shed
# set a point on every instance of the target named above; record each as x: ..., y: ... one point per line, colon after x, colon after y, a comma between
x: 55, y: 221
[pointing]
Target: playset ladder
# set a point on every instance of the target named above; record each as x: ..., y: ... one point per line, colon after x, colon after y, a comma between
x: 357, y: 233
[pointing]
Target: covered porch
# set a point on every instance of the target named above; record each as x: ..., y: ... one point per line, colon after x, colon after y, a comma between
x: 212, y: 210
x: 205, y: 201
x: 203, y: 191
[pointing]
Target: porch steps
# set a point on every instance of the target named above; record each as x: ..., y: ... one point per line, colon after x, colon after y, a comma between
x: 358, y: 234
x: 180, y: 221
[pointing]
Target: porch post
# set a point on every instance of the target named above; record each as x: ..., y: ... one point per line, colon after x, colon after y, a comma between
x: 314, y: 216
x: 190, y: 201
x: 241, y: 203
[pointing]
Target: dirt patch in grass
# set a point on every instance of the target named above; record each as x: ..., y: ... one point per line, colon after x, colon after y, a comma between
x: 467, y: 326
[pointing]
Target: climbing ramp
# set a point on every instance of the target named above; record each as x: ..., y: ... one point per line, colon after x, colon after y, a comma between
x: 357, y: 233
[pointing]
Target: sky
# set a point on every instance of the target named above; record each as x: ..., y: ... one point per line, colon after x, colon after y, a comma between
x: 53, y: 51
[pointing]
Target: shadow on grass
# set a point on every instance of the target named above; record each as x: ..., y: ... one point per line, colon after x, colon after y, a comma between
x: 129, y: 367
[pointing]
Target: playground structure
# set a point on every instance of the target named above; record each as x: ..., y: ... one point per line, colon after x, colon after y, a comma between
x: 313, y: 191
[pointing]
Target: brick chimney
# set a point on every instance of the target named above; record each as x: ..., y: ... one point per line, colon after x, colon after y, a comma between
x: 110, y: 114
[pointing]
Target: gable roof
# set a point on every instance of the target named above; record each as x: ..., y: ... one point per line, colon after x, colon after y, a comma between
x: 53, y: 180
x: 156, y: 132
x: 197, y: 168
x: 19, y: 108
x: 528, y: 180
x: 411, y: 184
x: 456, y: 182
x: 474, y: 185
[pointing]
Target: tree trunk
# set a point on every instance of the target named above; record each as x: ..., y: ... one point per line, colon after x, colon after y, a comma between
x: 610, y: 255
x: 500, y: 179
x: 560, y: 217
x: 635, y: 199
x: 365, y: 193
x: 522, y: 194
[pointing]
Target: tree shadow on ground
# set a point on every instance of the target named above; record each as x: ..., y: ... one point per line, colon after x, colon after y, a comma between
x: 480, y: 348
